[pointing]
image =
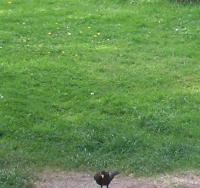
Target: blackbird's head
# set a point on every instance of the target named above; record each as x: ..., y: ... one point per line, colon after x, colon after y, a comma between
x: 99, y: 176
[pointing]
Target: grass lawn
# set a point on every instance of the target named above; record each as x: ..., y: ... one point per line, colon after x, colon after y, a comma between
x: 89, y: 84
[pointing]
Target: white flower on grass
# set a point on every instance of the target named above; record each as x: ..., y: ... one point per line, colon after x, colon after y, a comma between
x: 69, y: 33
x: 1, y: 96
x: 92, y: 93
x: 176, y: 29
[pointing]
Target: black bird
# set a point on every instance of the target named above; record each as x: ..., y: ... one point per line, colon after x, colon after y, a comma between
x: 104, y: 178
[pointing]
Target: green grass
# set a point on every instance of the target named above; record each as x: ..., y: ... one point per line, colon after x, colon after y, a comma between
x: 87, y: 85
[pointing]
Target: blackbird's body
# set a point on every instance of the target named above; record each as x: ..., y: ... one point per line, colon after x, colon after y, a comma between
x: 104, y: 178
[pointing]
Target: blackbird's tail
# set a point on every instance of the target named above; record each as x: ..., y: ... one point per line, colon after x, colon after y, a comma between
x: 113, y: 174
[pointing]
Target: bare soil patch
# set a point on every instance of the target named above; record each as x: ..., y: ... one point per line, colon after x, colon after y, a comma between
x: 58, y: 179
